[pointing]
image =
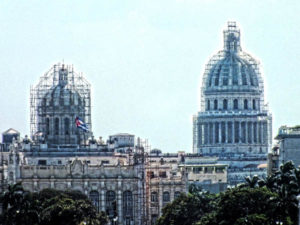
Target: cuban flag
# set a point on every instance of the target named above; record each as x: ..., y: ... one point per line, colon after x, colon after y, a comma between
x: 81, y: 125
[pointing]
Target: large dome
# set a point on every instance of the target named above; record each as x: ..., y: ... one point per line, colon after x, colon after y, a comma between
x: 60, y: 97
x: 231, y: 69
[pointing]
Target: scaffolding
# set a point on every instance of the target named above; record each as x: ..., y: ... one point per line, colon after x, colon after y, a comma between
x: 140, y: 160
x: 42, y: 94
x: 231, y: 69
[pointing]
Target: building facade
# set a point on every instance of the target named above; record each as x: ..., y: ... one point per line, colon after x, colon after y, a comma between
x: 121, y: 175
x: 286, y: 149
x: 234, y: 122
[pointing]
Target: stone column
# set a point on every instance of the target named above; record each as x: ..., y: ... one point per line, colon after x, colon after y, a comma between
x: 102, y: 200
x: 251, y: 131
x: 220, y: 132
x: 257, y: 132
x: 160, y: 199
x: 208, y: 133
x: 261, y: 132
x: 200, y: 133
x: 232, y: 132
x: 246, y: 131
x: 214, y: 132
x: 240, y: 132
x: 120, y: 207
x: 205, y: 133
x: 226, y: 131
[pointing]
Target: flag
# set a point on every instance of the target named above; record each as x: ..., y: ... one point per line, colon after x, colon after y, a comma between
x: 81, y: 125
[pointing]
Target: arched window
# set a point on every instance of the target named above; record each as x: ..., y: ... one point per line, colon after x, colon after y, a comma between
x: 47, y: 126
x: 245, y: 104
x: 111, y: 204
x: 154, y: 197
x: 94, y: 197
x: 67, y: 126
x: 225, y: 104
x: 208, y: 105
x: 166, y: 196
x: 215, y: 104
x: 56, y: 126
x: 235, y: 104
x: 253, y: 104
x: 127, y: 204
x: 176, y: 194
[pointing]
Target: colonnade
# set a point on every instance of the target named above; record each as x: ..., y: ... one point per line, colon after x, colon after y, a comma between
x: 248, y: 132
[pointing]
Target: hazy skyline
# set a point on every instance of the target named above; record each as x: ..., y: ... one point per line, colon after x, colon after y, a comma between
x: 145, y: 59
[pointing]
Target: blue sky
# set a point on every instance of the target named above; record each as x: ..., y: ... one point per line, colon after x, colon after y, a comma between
x: 145, y: 59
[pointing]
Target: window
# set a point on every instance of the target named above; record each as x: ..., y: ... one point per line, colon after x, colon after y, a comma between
x: 153, y: 219
x: 47, y: 126
x: 208, y: 169
x: 245, y: 104
x: 253, y: 104
x: 127, y: 204
x: 225, y: 104
x: 220, y: 169
x: 154, y: 197
x: 59, y: 162
x: 56, y: 126
x: 162, y: 174
x: 67, y: 126
x: 197, y: 169
x: 150, y: 174
x: 111, y: 204
x: 208, y: 105
x: 177, y: 194
x: 215, y: 104
x: 94, y: 197
x: 166, y: 196
x: 42, y: 162
x: 235, y: 104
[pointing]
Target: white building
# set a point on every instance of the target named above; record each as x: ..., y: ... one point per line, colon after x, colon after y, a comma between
x: 234, y: 122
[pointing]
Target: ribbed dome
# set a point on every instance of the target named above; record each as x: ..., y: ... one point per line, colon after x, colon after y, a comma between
x: 231, y: 69
x: 62, y: 96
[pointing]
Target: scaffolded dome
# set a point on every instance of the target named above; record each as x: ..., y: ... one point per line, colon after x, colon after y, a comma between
x: 231, y: 69
x: 234, y: 123
x: 61, y: 95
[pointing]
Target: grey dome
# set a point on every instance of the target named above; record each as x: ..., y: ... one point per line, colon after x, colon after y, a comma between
x: 231, y: 69
x: 62, y: 96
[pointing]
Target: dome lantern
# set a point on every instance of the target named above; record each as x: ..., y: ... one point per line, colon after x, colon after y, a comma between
x: 232, y: 38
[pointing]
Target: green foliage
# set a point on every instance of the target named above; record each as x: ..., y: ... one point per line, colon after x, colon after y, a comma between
x: 187, y: 209
x: 237, y: 204
x: 256, y: 202
x: 48, y: 207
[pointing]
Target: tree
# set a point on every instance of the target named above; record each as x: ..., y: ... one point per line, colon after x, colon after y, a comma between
x: 65, y: 211
x: 49, y: 207
x: 18, y: 206
x: 187, y: 209
x: 241, y: 206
